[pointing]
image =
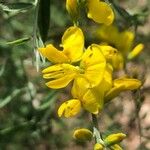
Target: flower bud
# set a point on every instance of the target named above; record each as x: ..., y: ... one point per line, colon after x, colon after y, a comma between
x: 82, y: 134
x: 136, y: 51
x: 114, y: 138
x: 116, y: 147
x: 98, y: 146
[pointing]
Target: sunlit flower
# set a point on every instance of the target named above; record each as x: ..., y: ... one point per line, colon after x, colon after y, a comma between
x: 90, y: 98
x: 62, y: 72
x: 91, y: 67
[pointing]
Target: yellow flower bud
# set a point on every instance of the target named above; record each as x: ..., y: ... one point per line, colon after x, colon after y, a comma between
x: 98, y: 146
x: 72, y: 8
x: 116, y: 147
x: 136, y: 51
x: 114, y: 138
x: 82, y: 134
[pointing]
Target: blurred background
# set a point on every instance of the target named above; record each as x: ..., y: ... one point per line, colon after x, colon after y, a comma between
x: 28, y: 109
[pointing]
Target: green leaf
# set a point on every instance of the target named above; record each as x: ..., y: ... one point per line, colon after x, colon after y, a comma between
x: 44, y: 18
x: 15, y: 7
x: 9, y: 98
x: 121, y: 11
x: 18, y: 127
x: 19, y: 41
x: 48, y: 102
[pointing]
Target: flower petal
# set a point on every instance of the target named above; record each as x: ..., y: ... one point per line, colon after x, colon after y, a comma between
x: 60, y: 82
x: 73, y: 43
x: 60, y: 75
x: 130, y: 83
x: 114, y: 92
x: 100, y: 12
x: 108, y: 51
x: 93, y: 62
x: 69, y: 108
x: 90, y: 101
x: 53, y: 54
x: 89, y: 97
x: 104, y: 86
x: 120, y: 85
x: 80, y: 86
x: 94, y: 74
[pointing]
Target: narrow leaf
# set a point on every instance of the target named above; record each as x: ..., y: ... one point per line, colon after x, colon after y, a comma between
x: 48, y: 102
x: 44, y: 18
x: 19, y: 41
x: 10, y: 97
x: 15, y: 7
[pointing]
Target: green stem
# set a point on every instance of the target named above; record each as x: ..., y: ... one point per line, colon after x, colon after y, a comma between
x: 96, y: 132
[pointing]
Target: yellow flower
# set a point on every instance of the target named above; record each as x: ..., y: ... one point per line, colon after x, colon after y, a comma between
x: 92, y: 98
x: 100, y: 12
x: 62, y: 72
x: 120, y: 85
x: 92, y: 67
x: 82, y: 134
x: 121, y: 40
x: 85, y: 96
x: 73, y: 45
x: 114, y: 138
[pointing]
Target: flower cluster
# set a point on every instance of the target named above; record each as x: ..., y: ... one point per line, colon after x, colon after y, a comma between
x: 90, y: 70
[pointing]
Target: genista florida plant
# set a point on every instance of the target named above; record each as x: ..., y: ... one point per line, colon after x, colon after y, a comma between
x: 89, y: 70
